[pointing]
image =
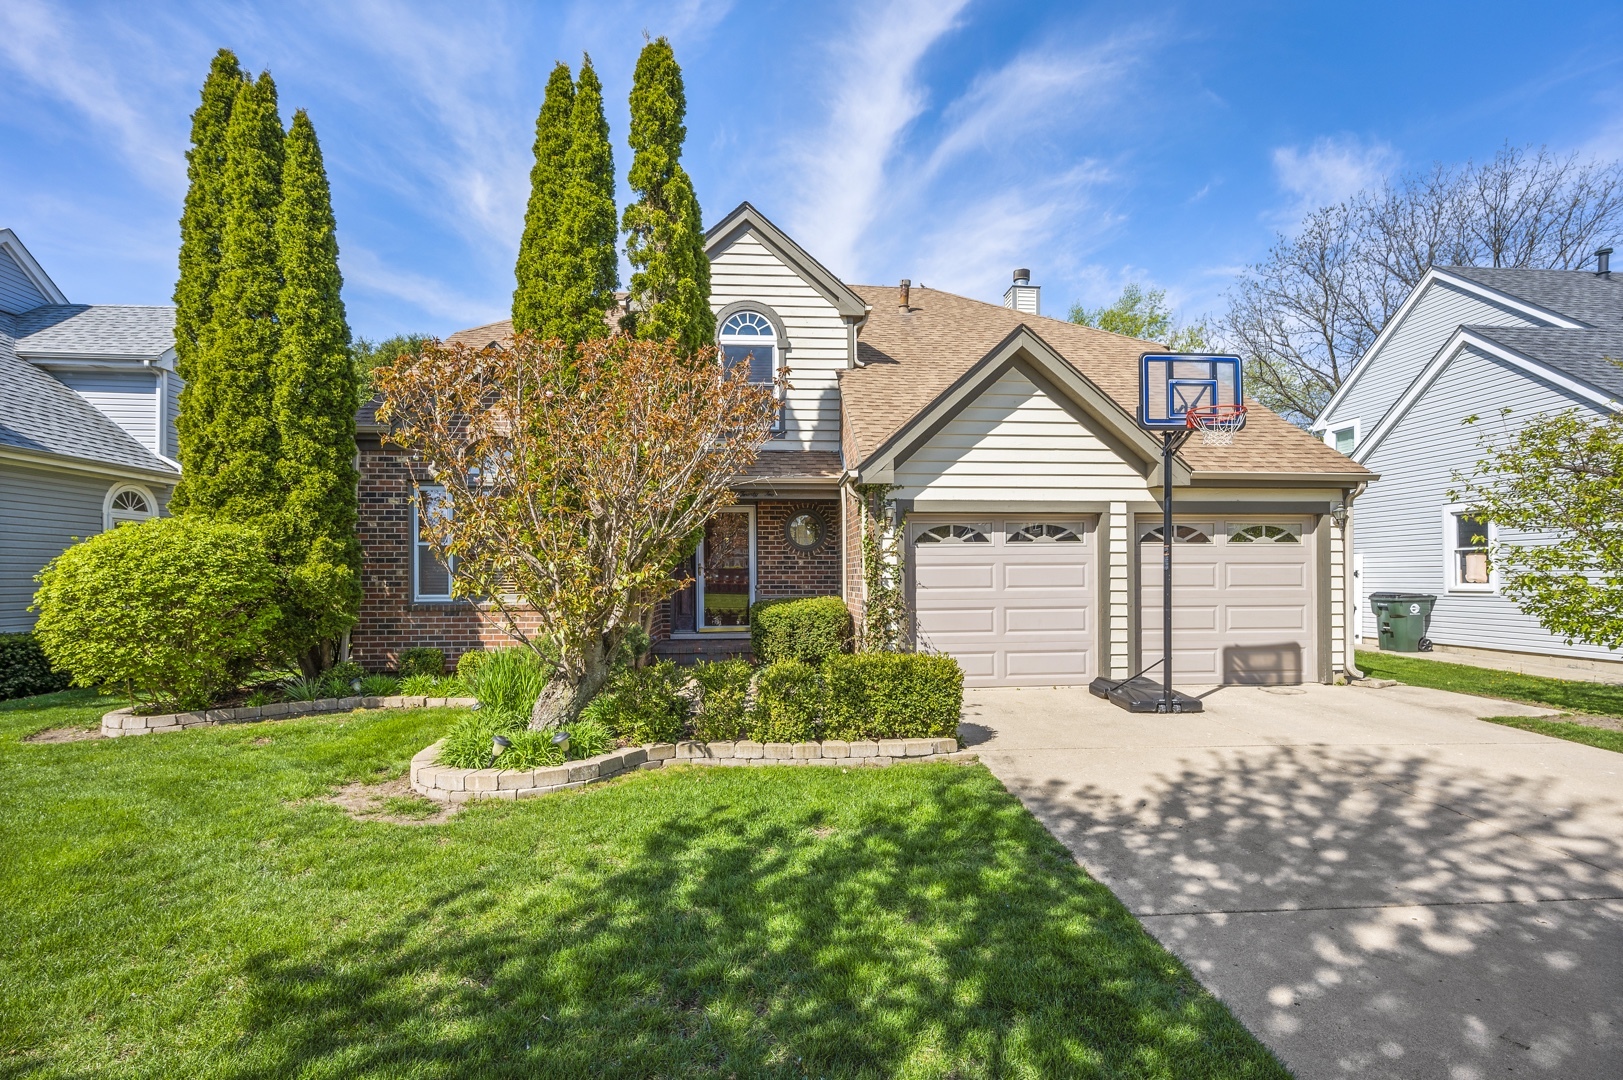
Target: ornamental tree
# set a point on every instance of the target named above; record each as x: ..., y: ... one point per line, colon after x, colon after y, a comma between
x: 1558, y: 480
x: 576, y: 480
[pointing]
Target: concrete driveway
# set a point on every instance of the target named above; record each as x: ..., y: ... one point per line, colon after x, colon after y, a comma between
x: 1377, y: 883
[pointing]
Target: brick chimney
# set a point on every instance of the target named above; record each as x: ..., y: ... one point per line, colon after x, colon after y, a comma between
x: 1023, y: 296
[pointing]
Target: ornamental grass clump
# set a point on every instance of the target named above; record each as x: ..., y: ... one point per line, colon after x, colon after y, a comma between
x: 508, y: 681
x: 172, y: 611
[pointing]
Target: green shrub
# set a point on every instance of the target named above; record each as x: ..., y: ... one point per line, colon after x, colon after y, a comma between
x: 884, y: 695
x: 173, y: 610
x: 24, y: 670
x: 788, y: 699
x: 810, y: 629
x: 468, y: 743
x: 469, y: 662
x: 421, y: 660
x: 420, y: 686
x: 588, y: 738
x: 508, y: 681
x: 380, y: 686
x: 642, y: 705
x: 340, y: 679
x: 725, y: 685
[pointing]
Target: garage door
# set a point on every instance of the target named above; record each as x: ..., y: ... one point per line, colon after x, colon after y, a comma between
x: 1012, y: 600
x: 1242, y: 608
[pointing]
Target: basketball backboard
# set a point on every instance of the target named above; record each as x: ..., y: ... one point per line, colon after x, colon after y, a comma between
x: 1170, y: 384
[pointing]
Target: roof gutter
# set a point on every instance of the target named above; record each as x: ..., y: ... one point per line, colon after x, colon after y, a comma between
x: 48, y: 459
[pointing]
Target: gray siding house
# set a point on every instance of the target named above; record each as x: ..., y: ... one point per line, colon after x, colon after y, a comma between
x: 1468, y: 341
x: 88, y: 396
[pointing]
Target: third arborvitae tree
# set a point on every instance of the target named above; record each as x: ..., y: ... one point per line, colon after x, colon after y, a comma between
x: 228, y: 438
x: 534, y: 301
x: 204, y: 214
x: 670, y: 285
x: 315, y: 394
x: 587, y: 262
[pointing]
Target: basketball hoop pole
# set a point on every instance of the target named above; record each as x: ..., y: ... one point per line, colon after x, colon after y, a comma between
x: 1170, y: 441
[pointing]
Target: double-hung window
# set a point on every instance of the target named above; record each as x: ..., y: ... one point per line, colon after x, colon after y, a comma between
x: 749, y: 338
x: 431, y: 578
x: 1467, y: 541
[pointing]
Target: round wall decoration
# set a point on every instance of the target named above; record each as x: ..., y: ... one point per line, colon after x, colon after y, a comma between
x: 806, y: 530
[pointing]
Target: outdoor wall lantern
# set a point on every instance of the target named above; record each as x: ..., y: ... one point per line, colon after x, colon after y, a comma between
x: 1338, y: 514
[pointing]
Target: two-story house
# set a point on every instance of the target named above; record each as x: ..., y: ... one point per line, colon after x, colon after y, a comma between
x: 1008, y: 443
x: 88, y: 396
x: 1500, y: 345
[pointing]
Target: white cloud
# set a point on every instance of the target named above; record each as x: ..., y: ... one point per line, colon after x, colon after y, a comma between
x: 366, y: 270
x: 875, y: 95
x: 1332, y: 169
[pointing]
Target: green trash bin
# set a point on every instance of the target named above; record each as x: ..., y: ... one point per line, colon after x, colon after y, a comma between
x: 1404, y: 618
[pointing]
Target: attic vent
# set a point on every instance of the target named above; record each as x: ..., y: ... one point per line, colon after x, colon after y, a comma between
x: 1603, y: 262
x: 1023, y: 296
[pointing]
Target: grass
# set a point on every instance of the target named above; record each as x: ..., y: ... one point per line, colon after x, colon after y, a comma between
x: 1564, y: 729
x: 179, y: 905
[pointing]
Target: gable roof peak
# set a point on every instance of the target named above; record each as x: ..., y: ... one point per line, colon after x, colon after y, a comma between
x: 745, y: 216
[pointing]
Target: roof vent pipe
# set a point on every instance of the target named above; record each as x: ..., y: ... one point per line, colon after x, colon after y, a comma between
x: 1603, y: 262
x: 1023, y: 296
x: 901, y: 294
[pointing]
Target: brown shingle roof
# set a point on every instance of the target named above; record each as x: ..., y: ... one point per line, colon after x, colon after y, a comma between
x: 909, y: 358
x: 477, y: 337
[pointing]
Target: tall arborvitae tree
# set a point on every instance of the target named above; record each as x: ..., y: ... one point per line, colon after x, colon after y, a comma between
x: 204, y: 213
x: 228, y: 441
x: 315, y: 394
x: 534, y: 301
x: 670, y: 288
x: 586, y: 260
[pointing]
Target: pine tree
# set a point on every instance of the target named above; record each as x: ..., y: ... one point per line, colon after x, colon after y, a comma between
x: 315, y: 394
x: 586, y: 264
x: 228, y: 443
x: 670, y: 287
x: 533, y: 303
x: 204, y: 214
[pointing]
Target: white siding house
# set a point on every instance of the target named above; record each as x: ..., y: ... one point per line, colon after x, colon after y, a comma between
x: 1468, y: 343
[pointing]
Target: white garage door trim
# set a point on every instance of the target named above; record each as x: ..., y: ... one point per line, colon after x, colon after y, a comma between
x: 1014, y: 598
x: 1244, y: 602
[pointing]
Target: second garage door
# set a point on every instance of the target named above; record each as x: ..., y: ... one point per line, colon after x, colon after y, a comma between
x: 1242, y: 608
x: 1012, y: 600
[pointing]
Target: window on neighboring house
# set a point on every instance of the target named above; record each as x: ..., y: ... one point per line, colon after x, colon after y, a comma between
x: 748, y: 337
x: 1468, y: 540
x: 1342, y: 439
x: 127, y: 504
x: 431, y: 578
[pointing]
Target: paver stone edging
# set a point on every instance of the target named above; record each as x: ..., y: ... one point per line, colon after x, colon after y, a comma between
x: 446, y: 784
x: 121, y: 722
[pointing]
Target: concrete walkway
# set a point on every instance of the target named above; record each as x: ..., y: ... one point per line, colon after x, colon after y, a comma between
x: 1377, y: 883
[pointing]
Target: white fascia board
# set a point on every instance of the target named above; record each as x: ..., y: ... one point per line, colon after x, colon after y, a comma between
x: 745, y: 218
x: 1433, y: 275
x: 95, y: 362
x: 85, y: 465
x: 1445, y: 356
x: 32, y: 270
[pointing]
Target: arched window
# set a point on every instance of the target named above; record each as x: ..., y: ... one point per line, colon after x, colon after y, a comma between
x: 952, y: 534
x: 749, y: 337
x: 1181, y: 534
x: 1264, y: 534
x: 128, y: 503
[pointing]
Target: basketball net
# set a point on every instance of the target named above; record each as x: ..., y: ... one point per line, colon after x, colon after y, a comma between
x: 1216, y: 423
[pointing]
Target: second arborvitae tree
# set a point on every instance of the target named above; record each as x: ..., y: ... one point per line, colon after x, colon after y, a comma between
x: 585, y: 256
x: 203, y: 218
x: 315, y: 394
x: 670, y: 286
x: 535, y: 303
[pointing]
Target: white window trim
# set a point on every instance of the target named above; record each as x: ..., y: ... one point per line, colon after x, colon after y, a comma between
x: 780, y: 427
x: 1451, y: 582
x: 1357, y: 430
x: 698, y: 584
x: 417, y: 595
x: 113, y: 493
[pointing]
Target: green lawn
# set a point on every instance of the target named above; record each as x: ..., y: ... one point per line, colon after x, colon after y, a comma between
x: 1563, y: 729
x: 175, y: 905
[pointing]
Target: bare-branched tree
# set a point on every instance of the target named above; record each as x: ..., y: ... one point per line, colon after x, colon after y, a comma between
x: 576, y: 481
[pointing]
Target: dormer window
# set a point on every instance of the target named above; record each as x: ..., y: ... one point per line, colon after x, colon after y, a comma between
x: 749, y: 337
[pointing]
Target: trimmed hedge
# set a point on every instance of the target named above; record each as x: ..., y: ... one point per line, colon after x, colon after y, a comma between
x: 724, y: 686
x: 788, y: 700
x: 421, y: 660
x: 24, y: 669
x: 812, y: 629
x: 882, y: 695
x: 642, y: 705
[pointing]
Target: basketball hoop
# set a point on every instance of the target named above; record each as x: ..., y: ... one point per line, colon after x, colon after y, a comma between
x: 1216, y: 423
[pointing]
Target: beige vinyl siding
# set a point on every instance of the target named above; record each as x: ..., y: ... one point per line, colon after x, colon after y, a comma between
x: 1014, y: 442
x: 128, y: 398
x: 819, y: 339
x: 1338, y: 597
x: 1400, y: 522
x: 1414, y: 342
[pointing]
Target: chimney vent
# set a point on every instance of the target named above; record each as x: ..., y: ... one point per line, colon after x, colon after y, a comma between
x: 901, y: 294
x: 1603, y: 262
x: 1023, y: 296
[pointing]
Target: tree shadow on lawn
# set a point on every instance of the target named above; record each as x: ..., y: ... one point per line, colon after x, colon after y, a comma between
x: 1373, y: 914
x: 953, y: 939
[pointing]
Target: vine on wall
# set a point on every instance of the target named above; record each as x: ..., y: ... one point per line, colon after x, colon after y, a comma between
x: 885, y: 621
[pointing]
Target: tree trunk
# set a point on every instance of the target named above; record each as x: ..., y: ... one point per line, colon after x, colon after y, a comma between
x: 318, y: 658
x: 563, y: 698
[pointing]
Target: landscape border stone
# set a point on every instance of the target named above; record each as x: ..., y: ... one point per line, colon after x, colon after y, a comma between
x: 445, y: 784
x: 121, y: 722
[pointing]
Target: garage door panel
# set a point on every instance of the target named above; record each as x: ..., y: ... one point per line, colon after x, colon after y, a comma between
x: 955, y: 573
x: 1184, y: 617
x: 1187, y: 575
x: 1249, y: 617
x: 1269, y: 575
x: 1031, y: 620
x: 1049, y: 664
x: 963, y: 620
x: 976, y: 665
x: 1046, y: 576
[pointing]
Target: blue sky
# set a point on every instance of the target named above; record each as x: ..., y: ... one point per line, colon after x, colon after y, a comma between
x: 943, y: 141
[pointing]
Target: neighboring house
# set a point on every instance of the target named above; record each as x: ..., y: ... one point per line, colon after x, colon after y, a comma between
x: 87, y: 421
x: 1009, y: 442
x: 1501, y: 345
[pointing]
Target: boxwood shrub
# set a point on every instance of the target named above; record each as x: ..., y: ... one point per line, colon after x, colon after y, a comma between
x: 724, y: 687
x: 882, y: 695
x: 24, y: 670
x: 788, y: 699
x: 643, y: 705
x: 421, y: 660
x: 812, y: 629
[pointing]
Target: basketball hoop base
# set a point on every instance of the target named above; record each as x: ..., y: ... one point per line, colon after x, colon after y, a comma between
x: 1142, y: 695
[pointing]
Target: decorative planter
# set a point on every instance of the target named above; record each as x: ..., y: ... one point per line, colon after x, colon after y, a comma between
x: 121, y: 722
x: 446, y: 784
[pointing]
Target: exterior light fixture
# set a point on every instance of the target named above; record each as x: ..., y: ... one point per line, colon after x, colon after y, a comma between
x: 561, y: 741
x: 497, y: 745
x: 1338, y: 514
x: 355, y: 685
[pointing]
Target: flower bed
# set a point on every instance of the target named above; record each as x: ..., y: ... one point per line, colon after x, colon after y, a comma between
x: 445, y: 784
x: 121, y: 722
